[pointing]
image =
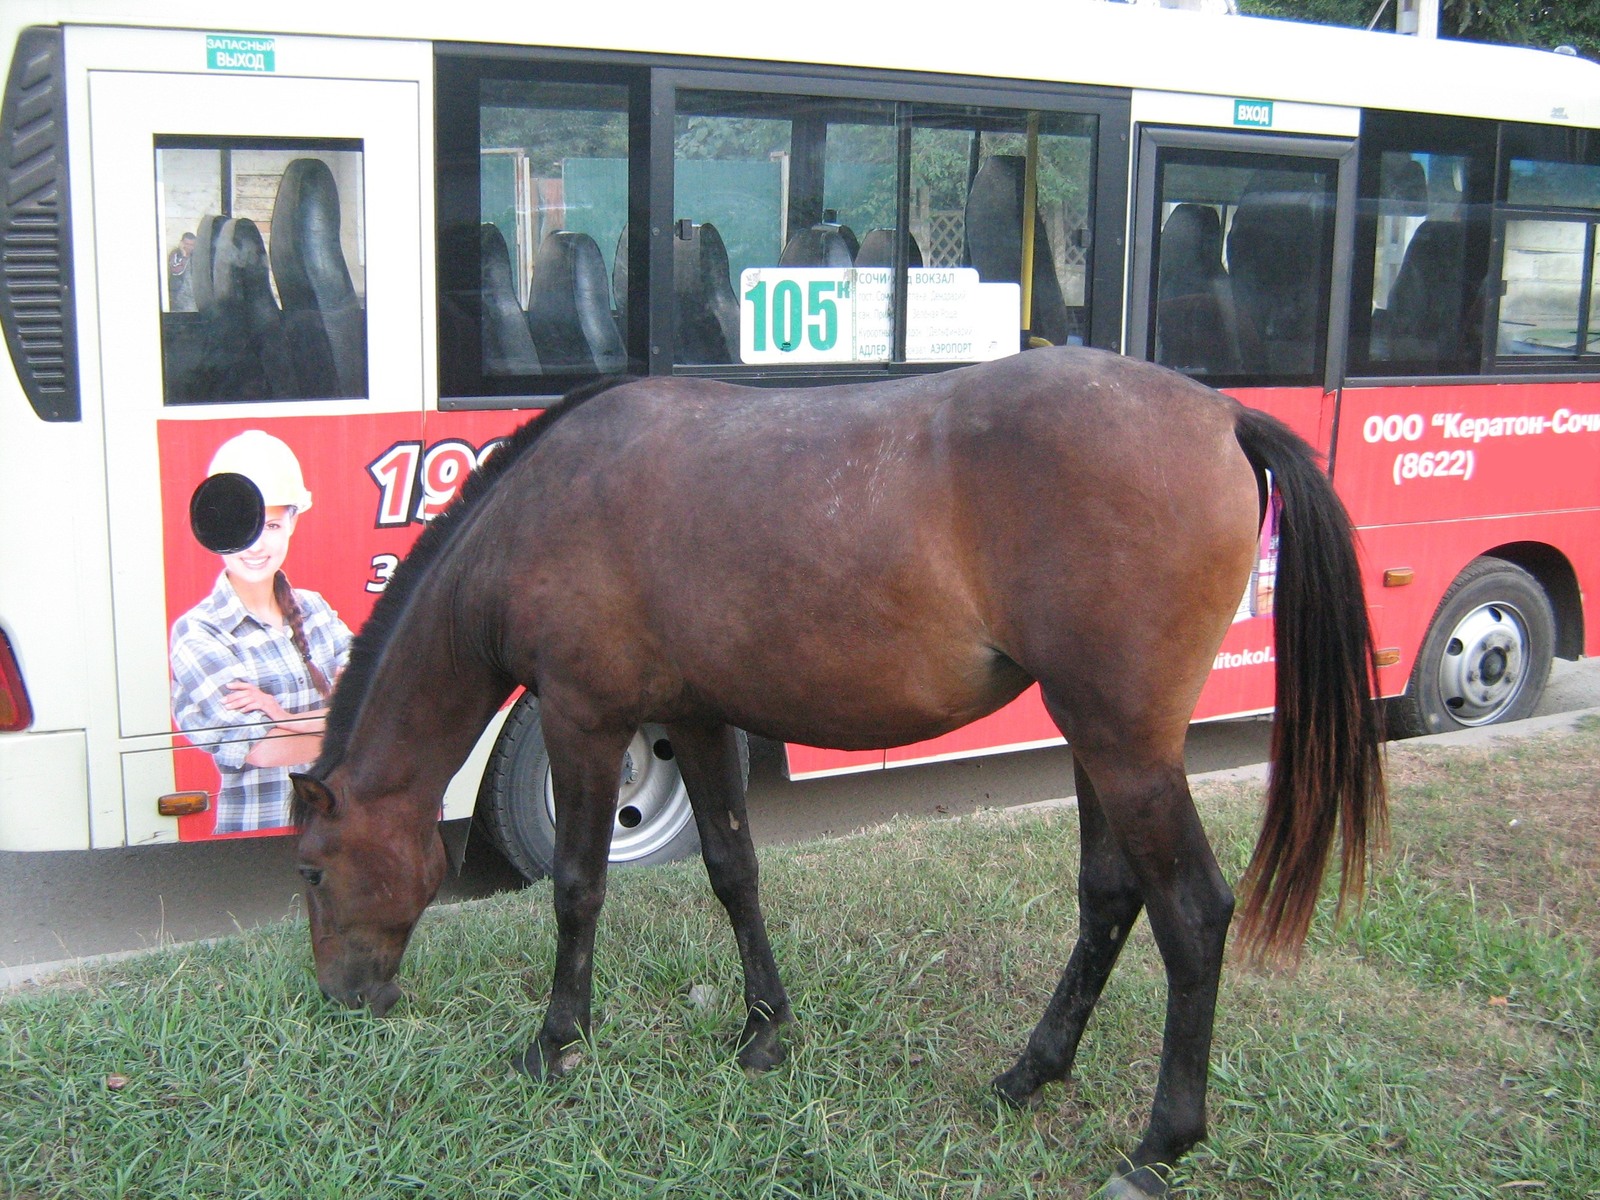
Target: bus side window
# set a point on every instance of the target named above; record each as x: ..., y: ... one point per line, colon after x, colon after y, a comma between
x: 996, y: 146
x: 1425, y: 217
x: 802, y: 192
x: 1549, y: 247
x: 534, y: 191
x: 1243, y: 264
x: 263, y: 267
x: 772, y: 192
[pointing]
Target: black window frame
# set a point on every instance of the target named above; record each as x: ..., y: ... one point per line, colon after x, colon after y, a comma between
x: 458, y: 74
x: 1382, y: 131
x: 1581, y: 363
x: 173, y: 322
x: 1340, y: 151
x: 1489, y: 145
x: 654, y: 82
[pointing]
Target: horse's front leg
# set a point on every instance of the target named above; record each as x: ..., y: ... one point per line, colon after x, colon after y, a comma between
x: 709, y: 759
x: 585, y: 767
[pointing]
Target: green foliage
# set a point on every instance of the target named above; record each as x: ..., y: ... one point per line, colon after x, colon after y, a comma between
x: 1545, y: 25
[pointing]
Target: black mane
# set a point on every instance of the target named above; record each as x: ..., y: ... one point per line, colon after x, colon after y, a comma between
x: 366, y: 651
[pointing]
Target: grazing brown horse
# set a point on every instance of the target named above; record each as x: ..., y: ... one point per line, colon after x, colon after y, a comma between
x: 865, y: 566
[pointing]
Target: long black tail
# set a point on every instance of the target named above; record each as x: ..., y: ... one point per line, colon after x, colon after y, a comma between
x: 1327, y: 736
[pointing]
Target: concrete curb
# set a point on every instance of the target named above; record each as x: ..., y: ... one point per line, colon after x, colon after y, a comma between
x: 12, y: 978
x: 1489, y: 735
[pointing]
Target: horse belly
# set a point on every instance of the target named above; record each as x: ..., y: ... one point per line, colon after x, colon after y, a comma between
x: 851, y: 684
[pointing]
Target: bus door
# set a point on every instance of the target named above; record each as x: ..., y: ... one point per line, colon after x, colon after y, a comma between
x: 260, y: 225
x: 1237, y: 237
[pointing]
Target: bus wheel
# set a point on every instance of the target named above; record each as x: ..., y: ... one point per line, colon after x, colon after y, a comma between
x: 1486, y: 657
x: 654, y: 822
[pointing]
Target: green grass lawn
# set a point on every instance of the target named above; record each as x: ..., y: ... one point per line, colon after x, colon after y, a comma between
x: 1441, y: 1044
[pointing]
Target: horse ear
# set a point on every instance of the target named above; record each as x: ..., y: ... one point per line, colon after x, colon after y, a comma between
x: 311, y: 795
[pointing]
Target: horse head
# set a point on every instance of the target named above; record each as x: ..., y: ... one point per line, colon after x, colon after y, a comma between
x: 369, y: 873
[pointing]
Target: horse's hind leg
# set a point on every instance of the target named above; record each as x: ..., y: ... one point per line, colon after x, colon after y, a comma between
x: 1109, y: 902
x: 708, y: 756
x: 584, y: 769
x: 1152, y: 817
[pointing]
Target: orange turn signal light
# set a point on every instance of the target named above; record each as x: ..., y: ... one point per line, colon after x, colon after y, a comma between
x: 1398, y: 576
x: 1386, y: 657
x: 183, y: 804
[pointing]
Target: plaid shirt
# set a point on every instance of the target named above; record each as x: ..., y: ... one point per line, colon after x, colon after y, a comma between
x: 218, y: 641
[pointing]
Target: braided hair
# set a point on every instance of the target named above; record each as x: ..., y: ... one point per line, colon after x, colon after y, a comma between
x: 289, y: 605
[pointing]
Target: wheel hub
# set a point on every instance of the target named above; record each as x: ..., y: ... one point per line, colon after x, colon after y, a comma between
x: 1484, y: 664
x: 652, y: 804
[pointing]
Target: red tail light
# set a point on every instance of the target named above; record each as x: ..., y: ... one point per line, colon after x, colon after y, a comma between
x: 16, y: 714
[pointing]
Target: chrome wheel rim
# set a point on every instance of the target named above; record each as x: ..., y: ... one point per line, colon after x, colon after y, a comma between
x: 652, y: 805
x: 1484, y: 664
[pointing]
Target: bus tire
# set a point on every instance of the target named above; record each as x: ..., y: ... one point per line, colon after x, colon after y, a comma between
x: 516, y: 808
x: 1487, y: 655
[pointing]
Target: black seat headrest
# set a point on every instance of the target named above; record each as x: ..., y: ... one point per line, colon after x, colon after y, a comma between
x: 1191, y: 250
x: 993, y: 236
x: 508, y: 347
x: 877, y: 250
x: 818, y: 246
x: 569, y: 313
x: 324, y: 321
x: 706, y: 311
x: 307, y: 255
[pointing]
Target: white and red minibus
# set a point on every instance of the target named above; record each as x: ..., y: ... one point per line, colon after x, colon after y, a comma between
x: 342, y: 250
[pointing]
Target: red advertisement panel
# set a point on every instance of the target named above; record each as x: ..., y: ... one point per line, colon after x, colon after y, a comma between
x: 1448, y: 453
x: 372, y: 481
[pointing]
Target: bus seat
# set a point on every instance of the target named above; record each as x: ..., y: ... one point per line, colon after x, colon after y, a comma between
x: 877, y: 250
x: 1403, y: 187
x: 1426, y: 317
x: 507, y: 345
x: 993, y: 238
x: 706, y: 310
x: 822, y: 245
x: 243, y: 355
x: 1276, y: 278
x: 1191, y: 250
x: 569, y: 313
x: 185, y: 336
x: 619, y: 282
x: 1193, y: 327
x: 205, y: 237
x: 324, y: 322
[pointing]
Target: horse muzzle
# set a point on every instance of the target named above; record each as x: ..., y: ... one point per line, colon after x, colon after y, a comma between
x: 379, y: 997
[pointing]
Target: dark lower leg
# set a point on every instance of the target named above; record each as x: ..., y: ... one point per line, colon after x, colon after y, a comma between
x: 713, y: 775
x: 1190, y: 906
x: 1178, y: 1116
x: 1108, y: 905
x: 585, y: 774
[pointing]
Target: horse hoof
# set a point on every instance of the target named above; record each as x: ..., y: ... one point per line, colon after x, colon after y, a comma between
x: 536, y: 1065
x: 763, y: 1054
x: 1122, y: 1187
x: 1014, y: 1092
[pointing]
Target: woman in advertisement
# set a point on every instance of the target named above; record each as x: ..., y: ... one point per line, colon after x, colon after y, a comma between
x: 253, y: 663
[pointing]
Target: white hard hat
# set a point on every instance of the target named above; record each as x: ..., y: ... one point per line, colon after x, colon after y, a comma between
x: 268, y: 463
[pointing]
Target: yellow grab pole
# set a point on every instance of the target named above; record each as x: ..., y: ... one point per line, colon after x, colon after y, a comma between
x: 1030, y: 209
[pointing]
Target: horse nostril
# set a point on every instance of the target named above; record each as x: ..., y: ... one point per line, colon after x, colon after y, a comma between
x: 383, y: 998
x: 352, y: 999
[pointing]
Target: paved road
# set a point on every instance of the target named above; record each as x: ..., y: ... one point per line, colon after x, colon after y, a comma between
x: 55, y: 907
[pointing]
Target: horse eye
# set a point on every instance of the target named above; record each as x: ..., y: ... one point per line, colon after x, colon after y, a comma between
x: 312, y: 875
